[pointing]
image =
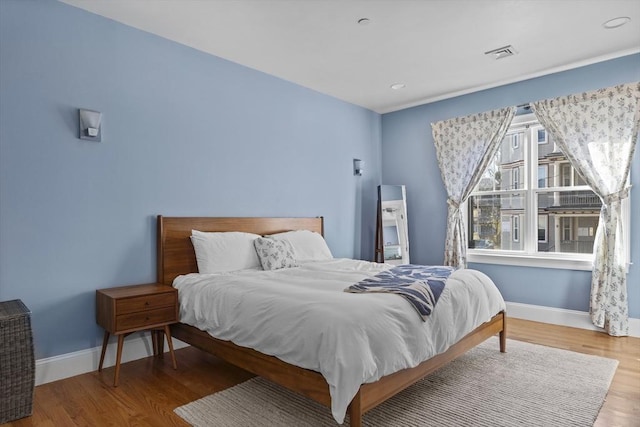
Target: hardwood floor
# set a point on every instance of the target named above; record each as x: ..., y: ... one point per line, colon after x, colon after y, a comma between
x: 150, y: 389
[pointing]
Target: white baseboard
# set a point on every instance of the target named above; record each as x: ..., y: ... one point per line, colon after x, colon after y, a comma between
x: 560, y: 316
x: 136, y: 346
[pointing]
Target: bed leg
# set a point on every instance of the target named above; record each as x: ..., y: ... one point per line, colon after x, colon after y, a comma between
x: 355, y: 411
x: 503, y: 334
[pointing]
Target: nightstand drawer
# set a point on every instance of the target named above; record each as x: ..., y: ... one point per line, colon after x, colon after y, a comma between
x: 145, y: 318
x: 145, y: 302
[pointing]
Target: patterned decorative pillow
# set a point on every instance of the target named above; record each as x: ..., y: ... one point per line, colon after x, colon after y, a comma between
x: 274, y: 254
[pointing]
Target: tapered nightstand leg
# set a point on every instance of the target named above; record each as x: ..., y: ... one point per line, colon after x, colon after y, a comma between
x: 118, y: 357
x: 154, y: 341
x: 167, y: 332
x: 105, y: 341
x: 159, y: 342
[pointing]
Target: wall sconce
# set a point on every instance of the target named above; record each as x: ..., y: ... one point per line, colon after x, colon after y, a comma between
x: 90, y: 125
x: 358, y: 167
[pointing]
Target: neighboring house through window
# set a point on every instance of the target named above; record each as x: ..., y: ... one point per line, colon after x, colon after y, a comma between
x: 530, y: 203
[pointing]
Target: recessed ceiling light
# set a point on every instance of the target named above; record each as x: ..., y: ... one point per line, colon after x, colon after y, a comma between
x: 616, y: 22
x: 397, y: 86
x: 364, y: 21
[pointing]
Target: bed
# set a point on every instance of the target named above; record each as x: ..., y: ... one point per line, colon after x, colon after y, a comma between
x: 176, y: 258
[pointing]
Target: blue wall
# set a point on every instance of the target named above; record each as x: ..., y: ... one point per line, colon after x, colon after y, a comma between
x: 409, y: 158
x: 185, y: 133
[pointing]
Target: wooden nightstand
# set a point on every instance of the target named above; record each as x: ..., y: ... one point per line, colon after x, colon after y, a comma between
x: 123, y: 310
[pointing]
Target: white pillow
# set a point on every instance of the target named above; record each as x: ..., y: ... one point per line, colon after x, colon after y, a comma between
x: 275, y: 254
x: 224, y: 251
x: 307, y: 245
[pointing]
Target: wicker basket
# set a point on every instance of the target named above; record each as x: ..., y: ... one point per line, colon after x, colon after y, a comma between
x: 17, y: 365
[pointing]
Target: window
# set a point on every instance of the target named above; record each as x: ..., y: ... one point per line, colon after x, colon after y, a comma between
x: 565, y: 174
x: 515, y: 140
x: 566, y: 229
x: 543, y: 229
x: 542, y: 176
x: 530, y: 206
x: 542, y: 136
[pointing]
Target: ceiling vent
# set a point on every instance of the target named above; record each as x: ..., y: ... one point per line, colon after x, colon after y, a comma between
x: 502, y: 52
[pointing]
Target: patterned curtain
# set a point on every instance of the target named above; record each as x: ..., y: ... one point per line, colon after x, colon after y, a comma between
x: 464, y: 148
x: 598, y: 132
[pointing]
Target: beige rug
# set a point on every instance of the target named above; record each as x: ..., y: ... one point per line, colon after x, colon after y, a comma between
x: 530, y: 385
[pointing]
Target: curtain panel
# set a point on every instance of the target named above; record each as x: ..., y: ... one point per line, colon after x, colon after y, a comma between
x: 598, y: 132
x: 464, y: 149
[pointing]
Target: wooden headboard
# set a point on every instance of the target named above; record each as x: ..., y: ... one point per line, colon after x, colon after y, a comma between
x: 175, y: 251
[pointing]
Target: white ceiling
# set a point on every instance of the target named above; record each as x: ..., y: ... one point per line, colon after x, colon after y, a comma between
x: 435, y: 47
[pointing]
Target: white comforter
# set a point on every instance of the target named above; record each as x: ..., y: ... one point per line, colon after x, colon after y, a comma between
x: 302, y: 316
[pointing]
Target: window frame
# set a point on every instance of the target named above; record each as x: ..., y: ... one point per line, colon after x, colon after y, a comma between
x: 529, y: 228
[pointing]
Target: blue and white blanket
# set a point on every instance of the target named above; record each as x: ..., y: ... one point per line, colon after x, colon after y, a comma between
x: 420, y: 285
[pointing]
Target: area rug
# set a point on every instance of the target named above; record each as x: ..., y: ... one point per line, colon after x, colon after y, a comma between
x: 530, y: 385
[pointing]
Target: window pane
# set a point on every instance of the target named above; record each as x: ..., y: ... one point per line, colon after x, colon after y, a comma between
x: 495, y: 222
x: 572, y: 219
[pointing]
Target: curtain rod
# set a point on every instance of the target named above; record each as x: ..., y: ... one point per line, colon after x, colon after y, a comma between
x: 527, y: 105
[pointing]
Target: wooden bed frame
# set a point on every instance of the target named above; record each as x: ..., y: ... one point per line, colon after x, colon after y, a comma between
x: 176, y: 256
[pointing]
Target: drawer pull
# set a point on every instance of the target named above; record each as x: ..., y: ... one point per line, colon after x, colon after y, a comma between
x: 146, y: 303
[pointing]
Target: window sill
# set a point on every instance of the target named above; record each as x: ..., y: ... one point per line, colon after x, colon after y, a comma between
x: 560, y: 261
